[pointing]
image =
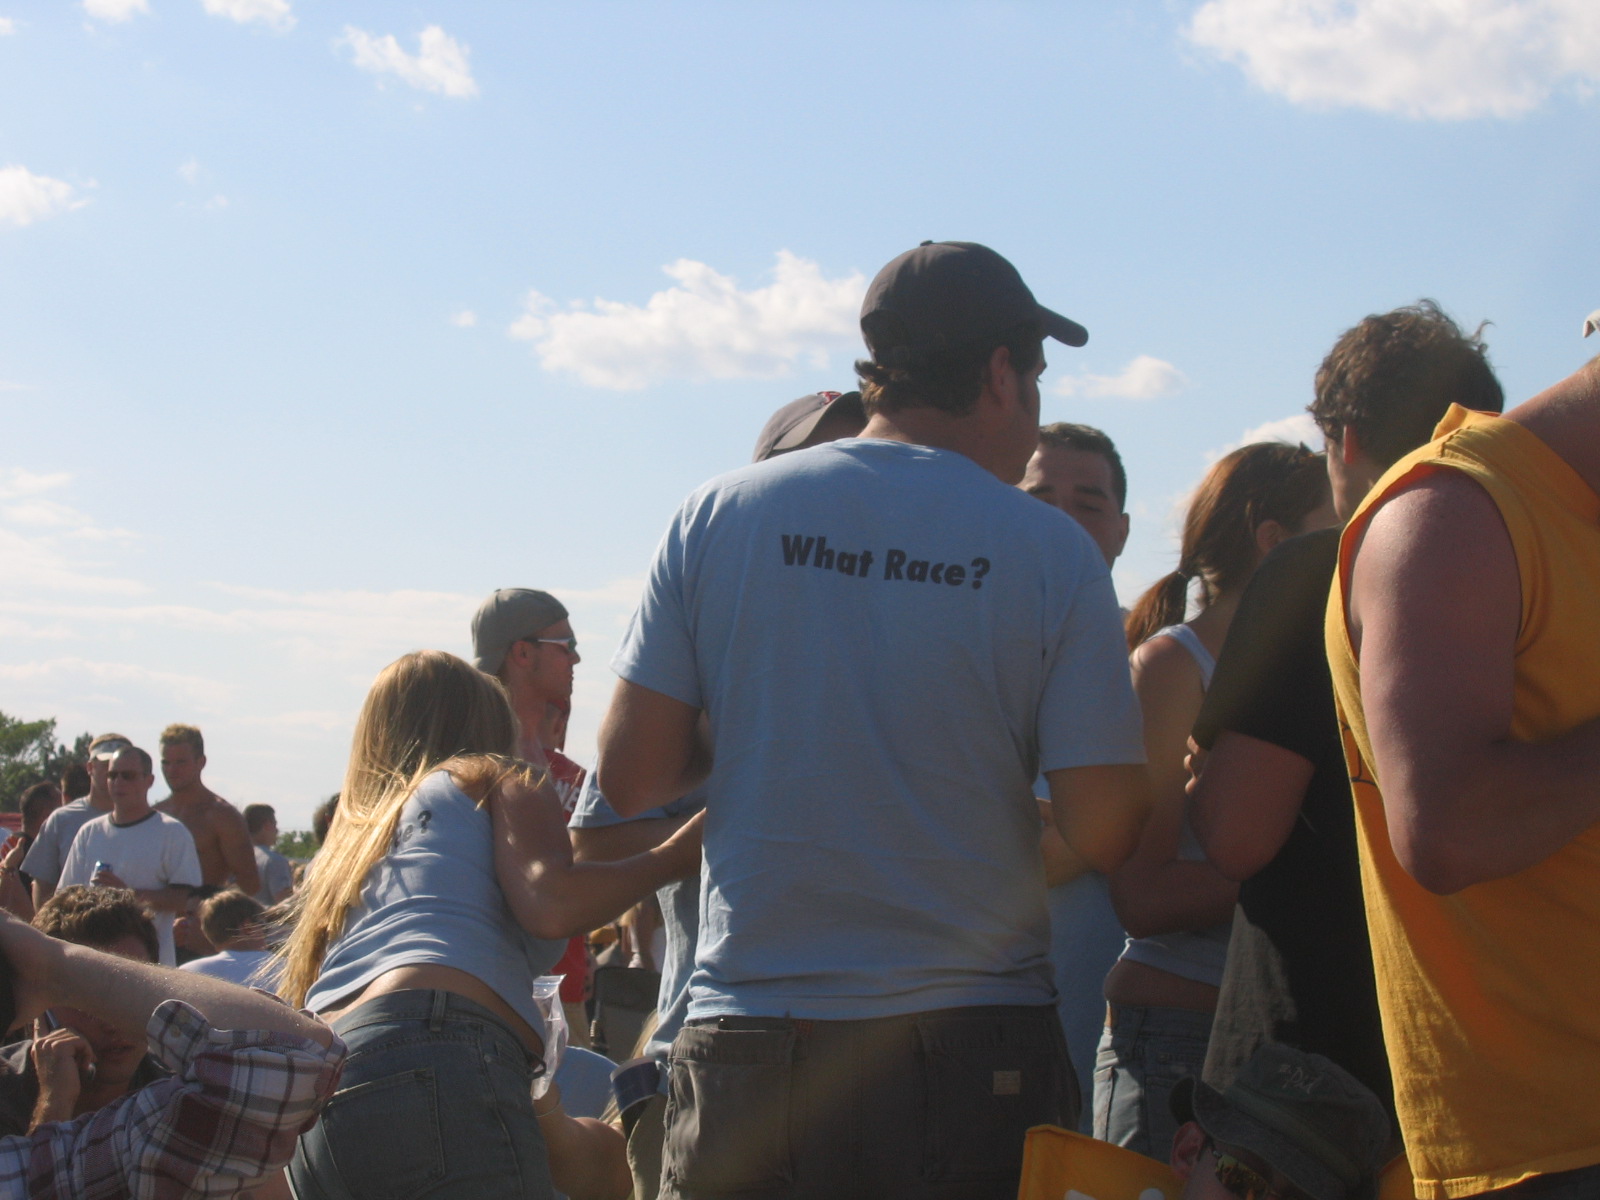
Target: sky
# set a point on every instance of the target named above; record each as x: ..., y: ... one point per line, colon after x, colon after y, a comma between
x: 320, y: 320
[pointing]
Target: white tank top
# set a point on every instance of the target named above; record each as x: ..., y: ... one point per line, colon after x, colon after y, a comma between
x: 1189, y: 954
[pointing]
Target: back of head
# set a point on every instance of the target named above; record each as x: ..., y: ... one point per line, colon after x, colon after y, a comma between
x: 229, y: 915
x: 98, y: 917
x: 424, y: 710
x: 75, y: 782
x: 38, y: 802
x: 1392, y: 377
x: 948, y: 380
x: 257, y: 815
x: 1065, y: 435
x: 1266, y: 481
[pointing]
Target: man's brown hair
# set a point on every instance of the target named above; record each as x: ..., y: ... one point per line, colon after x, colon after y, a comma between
x: 950, y: 380
x: 97, y: 917
x: 1065, y: 435
x: 184, y: 735
x: 228, y: 915
x: 1392, y: 377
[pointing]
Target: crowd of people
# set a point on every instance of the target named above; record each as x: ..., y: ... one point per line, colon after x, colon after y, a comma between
x: 1283, y: 875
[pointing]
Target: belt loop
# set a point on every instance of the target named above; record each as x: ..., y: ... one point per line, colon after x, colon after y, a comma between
x: 441, y: 1000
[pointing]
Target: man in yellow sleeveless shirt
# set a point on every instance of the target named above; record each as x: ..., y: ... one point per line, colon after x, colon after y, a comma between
x: 1464, y: 640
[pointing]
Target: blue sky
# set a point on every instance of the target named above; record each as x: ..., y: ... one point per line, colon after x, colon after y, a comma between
x: 319, y: 321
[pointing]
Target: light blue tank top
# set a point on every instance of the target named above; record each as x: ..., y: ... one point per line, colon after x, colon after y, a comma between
x: 434, y: 898
x: 1189, y: 954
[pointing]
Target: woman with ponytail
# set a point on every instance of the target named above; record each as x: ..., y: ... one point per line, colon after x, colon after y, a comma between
x: 1177, y: 910
x: 445, y: 887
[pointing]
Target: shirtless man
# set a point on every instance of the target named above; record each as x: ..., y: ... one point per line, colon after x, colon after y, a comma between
x: 218, y: 828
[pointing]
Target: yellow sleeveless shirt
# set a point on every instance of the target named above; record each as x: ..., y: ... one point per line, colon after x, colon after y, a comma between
x: 1491, y: 997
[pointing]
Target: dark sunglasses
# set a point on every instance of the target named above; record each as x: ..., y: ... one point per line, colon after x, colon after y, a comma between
x: 130, y: 776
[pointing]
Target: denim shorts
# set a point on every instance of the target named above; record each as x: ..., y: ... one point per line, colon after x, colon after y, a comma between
x: 931, y: 1105
x: 1143, y: 1053
x: 434, y: 1102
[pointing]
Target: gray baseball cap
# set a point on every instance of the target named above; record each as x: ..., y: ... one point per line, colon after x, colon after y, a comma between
x: 510, y: 615
x: 1303, y: 1114
x: 789, y: 427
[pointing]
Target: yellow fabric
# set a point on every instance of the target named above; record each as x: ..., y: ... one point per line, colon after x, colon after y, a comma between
x: 1057, y: 1164
x: 1491, y: 997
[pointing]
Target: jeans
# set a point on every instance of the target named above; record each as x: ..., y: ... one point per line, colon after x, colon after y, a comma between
x: 930, y: 1105
x: 1143, y: 1053
x: 434, y: 1103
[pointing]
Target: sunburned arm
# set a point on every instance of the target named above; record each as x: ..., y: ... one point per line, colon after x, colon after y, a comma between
x: 1155, y: 891
x: 608, y: 843
x: 1434, y: 603
x: 1244, y: 801
x: 653, y: 750
x: 552, y: 896
x: 233, y: 839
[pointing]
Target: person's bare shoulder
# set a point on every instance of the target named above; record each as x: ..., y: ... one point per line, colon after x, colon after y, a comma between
x: 1163, y: 663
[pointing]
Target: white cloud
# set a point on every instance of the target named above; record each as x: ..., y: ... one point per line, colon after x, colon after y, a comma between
x: 16, y: 482
x: 1144, y: 378
x: 1442, y: 59
x: 26, y: 197
x: 115, y: 677
x: 703, y: 328
x: 190, y: 170
x: 8, y: 26
x: 115, y: 10
x: 1298, y: 430
x: 275, y: 14
x: 465, y: 319
x: 440, y: 64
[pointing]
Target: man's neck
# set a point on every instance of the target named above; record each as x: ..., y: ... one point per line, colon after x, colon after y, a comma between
x: 190, y: 796
x: 130, y: 811
x: 931, y: 427
x: 100, y: 800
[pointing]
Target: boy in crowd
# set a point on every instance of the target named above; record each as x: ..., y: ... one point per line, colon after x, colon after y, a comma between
x: 276, y: 871
x: 231, y: 922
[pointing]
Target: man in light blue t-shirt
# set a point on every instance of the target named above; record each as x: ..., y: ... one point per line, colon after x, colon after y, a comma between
x: 867, y: 651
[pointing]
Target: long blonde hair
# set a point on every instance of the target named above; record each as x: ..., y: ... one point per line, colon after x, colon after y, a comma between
x: 425, y: 711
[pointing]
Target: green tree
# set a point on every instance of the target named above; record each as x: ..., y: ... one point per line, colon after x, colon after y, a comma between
x: 297, y: 843
x: 29, y: 753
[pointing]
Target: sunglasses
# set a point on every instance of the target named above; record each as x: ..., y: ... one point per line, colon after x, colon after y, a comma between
x: 571, y: 643
x: 1246, y: 1182
x: 130, y: 776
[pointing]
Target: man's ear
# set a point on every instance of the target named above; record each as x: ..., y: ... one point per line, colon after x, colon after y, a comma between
x: 1187, y: 1145
x: 999, y: 377
x: 1350, y: 448
x: 1122, y: 538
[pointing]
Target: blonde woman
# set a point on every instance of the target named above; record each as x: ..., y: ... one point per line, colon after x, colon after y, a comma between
x: 446, y: 885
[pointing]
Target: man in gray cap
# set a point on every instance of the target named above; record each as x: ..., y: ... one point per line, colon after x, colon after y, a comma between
x: 524, y: 638
x: 881, y: 642
x: 1291, y: 1125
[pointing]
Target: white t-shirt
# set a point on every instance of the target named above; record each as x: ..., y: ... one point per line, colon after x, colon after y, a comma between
x: 236, y: 966
x: 153, y: 852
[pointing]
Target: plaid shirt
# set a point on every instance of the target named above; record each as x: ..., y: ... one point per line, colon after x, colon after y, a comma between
x: 231, y: 1112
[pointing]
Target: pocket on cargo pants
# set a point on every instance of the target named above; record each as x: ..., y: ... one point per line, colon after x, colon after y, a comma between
x: 728, y: 1109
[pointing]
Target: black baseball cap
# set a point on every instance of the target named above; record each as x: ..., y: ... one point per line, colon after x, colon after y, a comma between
x: 1299, y: 1112
x: 944, y: 295
x: 789, y: 427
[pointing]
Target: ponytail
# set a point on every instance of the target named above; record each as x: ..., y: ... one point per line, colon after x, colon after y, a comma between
x: 1165, y: 603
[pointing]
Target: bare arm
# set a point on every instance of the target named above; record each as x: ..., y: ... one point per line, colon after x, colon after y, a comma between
x: 1435, y: 607
x: 1061, y: 864
x: 588, y: 1158
x: 233, y: 839
x: 124, y: 993
x: 552, y: 896
x: 42, y: 891
x: 653, y: 750
x: 1244, y: 801
x: 608, y: 843
x: 1155, y: 891
x: 1098, y: 811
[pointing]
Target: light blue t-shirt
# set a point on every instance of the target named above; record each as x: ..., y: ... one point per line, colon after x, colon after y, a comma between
x: 680, y: 912
x: 435, y: 898
x: 890, y: 644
